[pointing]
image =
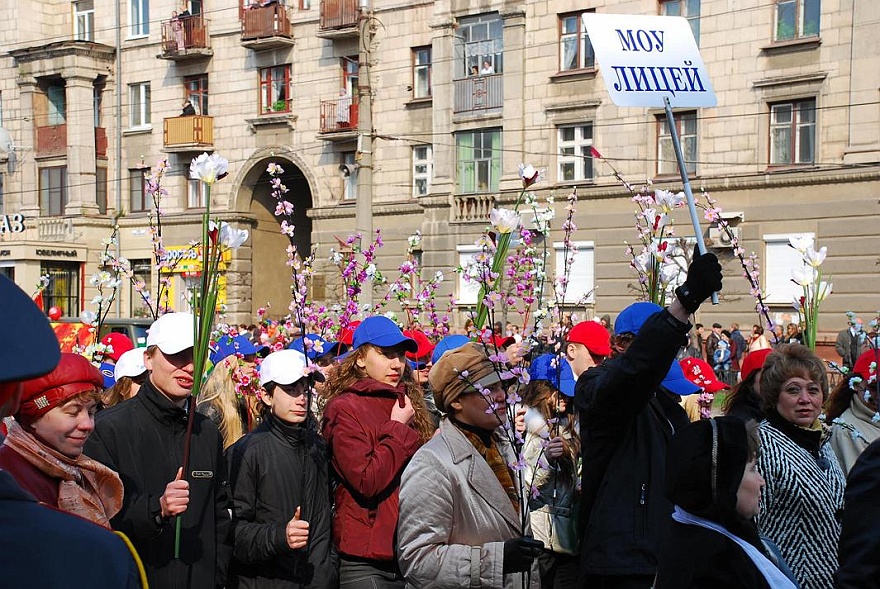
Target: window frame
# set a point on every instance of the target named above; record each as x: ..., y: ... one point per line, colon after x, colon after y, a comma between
x: 145, y: 204
x: 53, y: 197
x: 136, y: 302
x: 466, y: 38
x: 101, y: 189
x: 138, y: 18
x: 467, y: 293
x: 585, y: 56
x: 690, y: 142
x: 795, y: 130
x: 427, y: 174
x: 685, y: 11
x: 72, y: 274
x: 584, y: 158
x: 88, y: 18
x: 267, y: 83
x: 196, y: 194
x: 587, y: 277
x: 799, y: 18
x: 139, y: 96
x: 349, y: 186
x: 774, y: 267
x: 493, y: 162
x: 196, y: 91
x: 417, y: 67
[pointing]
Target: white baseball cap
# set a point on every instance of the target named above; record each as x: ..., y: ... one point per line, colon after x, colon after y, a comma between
x: 172, y: 333
x: 285, y: 367
x: 130, y: 364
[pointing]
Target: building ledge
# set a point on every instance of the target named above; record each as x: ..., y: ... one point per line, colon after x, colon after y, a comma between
x: 286, y: 119
x: 574, y: 75
x: 791, y: 46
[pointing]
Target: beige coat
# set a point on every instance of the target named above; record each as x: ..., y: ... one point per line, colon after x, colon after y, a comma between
x: 852, y: 432
x: 455, y: 517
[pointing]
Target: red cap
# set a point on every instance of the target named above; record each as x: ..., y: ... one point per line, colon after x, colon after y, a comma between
x: 754, y: 361
x: 346, y: 334
x: 495, y: 340
x: 593, y: 336
x: 863, y: 365
x: 701, y: 374
x: 425, y: 345
x: 120, y: 344
x: 73, y: 375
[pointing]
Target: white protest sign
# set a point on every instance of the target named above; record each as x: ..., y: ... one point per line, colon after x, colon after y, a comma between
x: 645, y: 59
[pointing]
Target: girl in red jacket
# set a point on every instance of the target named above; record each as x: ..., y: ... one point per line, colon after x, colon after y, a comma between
x: 374, y: 421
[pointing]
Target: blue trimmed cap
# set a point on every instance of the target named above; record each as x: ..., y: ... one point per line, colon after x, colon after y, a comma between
x: 381, y: 332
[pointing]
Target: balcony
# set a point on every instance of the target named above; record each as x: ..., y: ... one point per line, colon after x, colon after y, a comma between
x: 472, y: 208
x: 185, y: 38
x: 339, y: 119
x: 479, y: 94
x: 51, y: 141
x: 266, y: 27
x: 182, y: 134
x: 101, y: 142
x: 339, y: 19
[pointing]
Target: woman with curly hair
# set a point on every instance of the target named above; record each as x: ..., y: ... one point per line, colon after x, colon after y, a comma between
x: 374, y: 421
x: 851, y: 411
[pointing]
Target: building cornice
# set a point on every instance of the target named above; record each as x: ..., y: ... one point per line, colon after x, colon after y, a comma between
x: 346, y: 210
x: 86, y: 49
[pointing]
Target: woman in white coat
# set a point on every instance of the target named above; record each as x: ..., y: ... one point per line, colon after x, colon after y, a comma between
x: 461, y: 518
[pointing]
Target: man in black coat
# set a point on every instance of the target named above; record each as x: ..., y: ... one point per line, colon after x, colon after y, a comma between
x: 143, y: 440
x: 626, y: 419
x: 859, y: 548
x: 40, y: 546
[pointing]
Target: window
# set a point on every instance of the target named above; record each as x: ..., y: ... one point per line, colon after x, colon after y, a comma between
x: 64, y: 287
x: 84, y: 20
x: 197, y: 92
x: 139, y: 18
x: 137, y: 191
x: 422, y: 169
x: 197, y: 194
x: 350, y: 189
x: 275, y: 89
x: 481, y: 45
x: 575, y: 161
x: 350, y: 74
x: 469, y: 290
x: 797, y: 18
x: 101, y: 189
x: 139, y: 101
x: 793, y: 132
x: 581, y: 275
x: 422, y: 72
x: 142, y: 275
x: 478, y: 161
x: 575, y: 49
x: 57, y: 104
x: 690, y: 9
x: 686, y: 126
x: 53, y: 191
x: 305, y: 4
x: 779, y: 261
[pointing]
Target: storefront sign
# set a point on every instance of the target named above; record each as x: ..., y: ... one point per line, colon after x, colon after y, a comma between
x: 57, y: 253
x: 12, y: 223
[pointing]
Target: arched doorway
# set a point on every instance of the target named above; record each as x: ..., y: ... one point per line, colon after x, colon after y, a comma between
x: 271, y: 277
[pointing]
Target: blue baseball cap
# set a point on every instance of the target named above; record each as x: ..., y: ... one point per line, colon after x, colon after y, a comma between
x: 450, y: 342
x: 106, y: 369
x: 382, y: 332
x: 319, y: 346
x: 227, y: 346
x: 36, y: 351
x: 675, y: 381
x: 631, y: 319
x: 555, y: 369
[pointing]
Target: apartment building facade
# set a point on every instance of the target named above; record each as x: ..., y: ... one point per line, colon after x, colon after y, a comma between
x: 422, y: 111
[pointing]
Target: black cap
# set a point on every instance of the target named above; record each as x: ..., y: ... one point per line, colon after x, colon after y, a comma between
x: 36, y: 351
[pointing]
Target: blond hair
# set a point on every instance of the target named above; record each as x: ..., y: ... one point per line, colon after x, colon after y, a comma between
x: 219, y: 392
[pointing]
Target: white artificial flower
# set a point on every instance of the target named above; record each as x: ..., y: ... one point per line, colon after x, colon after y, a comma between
x: 232, y: 238
x: 667, y: 201
x: 815, y: 258
x: 505, y: 220
x: 803, y: 276
x: 88, y: 317
x: 208, y: 168
x: 529, y: 174
x: 801, y: 242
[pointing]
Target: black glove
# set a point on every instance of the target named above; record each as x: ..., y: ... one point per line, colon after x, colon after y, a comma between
x: 703, y: 278
x: 519, y: 554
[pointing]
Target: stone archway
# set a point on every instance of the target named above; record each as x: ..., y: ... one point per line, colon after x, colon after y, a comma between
x: 270, y: 275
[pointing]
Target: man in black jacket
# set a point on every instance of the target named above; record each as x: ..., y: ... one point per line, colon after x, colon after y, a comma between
x: 143, y: 440
x: 626, y: 419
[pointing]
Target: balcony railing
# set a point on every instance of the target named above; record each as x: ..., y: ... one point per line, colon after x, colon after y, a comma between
x: 479, y: 93
x: 472, y: 208
x: 100, y: 142
x: 339, y: 115
x: 51, y: 140
x: 264, y: 23
x: 185, y: 37
x: 185, y: 133
x: 338, y: 14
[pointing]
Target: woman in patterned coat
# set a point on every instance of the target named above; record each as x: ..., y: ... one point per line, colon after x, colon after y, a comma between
x: 802, y: 503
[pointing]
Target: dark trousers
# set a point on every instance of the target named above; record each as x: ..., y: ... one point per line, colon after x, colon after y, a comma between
x: 559, y: 571
x: 366, y: 574
x: 618, y: 582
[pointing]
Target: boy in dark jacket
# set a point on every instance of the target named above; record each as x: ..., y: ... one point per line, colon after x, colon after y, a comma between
x: 627, y: 416
x: 281, y: 515
x: 143, y: 440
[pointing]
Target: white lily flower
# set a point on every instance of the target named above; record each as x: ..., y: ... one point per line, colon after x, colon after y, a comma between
x: 667, y: 201
x: 232, y: 238
x: 208, y: 168
x: 803, y: 276
x: 529, y: 174
x: 668, y: 273
x: 824, y: 290
x: 505, y: 220
x: 801, y: 242
x: 815, y: 258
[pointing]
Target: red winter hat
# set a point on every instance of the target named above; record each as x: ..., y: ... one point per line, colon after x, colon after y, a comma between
x: 425, y: 345
x: 120, y: 344
x: 701, y: 374
x: 73, y: 375
x: 593, y: 336
x: 754, y: 361
x: 863, y: 366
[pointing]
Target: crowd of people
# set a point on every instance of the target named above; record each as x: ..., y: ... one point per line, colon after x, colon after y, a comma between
x: 388, y: 459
